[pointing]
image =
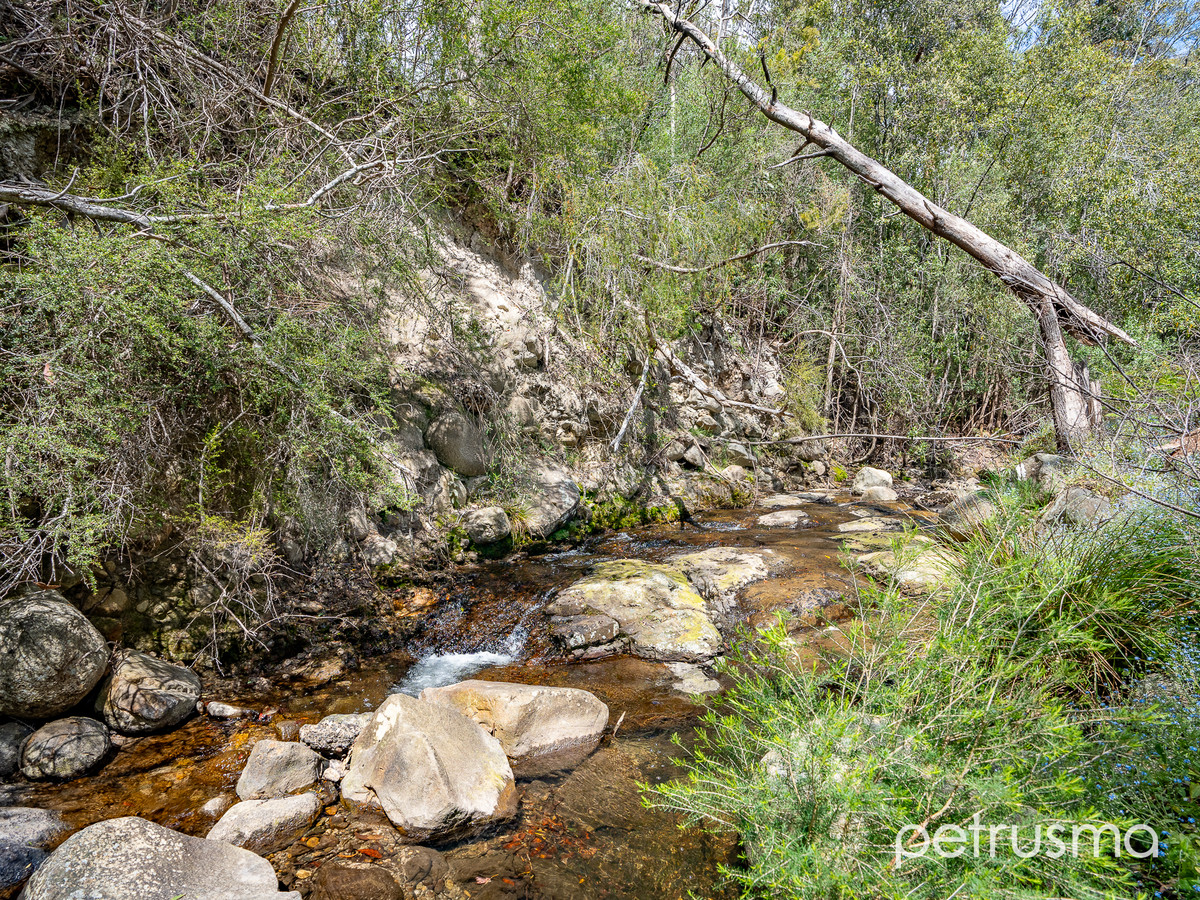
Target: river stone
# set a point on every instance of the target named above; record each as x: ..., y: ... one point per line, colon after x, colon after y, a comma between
x: 132, y: 859
x: 12, y: 741
x: 718, y: 574
x: 1079, y: 506
x: 691, y: 679
x: 879, y: 494
x: 967, y: 516
x: 488, y: 525
x: 656, y: 608
x: 434, y: 772
x: 66, y: 748
x: 784, y: 501
x: 542, y: 729
x: 869, y: 524
x: 51, y: 656
x: 276, y: 768
x: 922, y: 572
x: 18, y: 862
x: 143, y: 695
x: 458, y: 443
x: 576, y: 632
x: 265, y: 826
x: 869, y: 478
x: 343, y: 879
x: 554, y: 502
x: 334, y: 735
x: 25, y: 835
x: 785, y: 518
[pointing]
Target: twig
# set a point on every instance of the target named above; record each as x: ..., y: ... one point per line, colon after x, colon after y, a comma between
x: 684, y: 270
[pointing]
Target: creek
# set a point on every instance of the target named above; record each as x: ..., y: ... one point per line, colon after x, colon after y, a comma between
x: 586, y: 833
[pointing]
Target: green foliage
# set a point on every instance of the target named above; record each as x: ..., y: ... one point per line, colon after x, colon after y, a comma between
x: 997, y: 702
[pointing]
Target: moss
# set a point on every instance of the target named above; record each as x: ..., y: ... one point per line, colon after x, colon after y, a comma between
x: 618, y: 514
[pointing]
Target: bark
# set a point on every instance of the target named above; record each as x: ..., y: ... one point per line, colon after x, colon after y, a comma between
x: 1056, y: 310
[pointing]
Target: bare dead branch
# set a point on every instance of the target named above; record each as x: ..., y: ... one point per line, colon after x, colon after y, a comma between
x: 684, y: 270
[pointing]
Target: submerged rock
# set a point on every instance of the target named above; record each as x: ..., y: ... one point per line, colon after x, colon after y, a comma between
x: 655, y: 607
x: 276, y: 768
x: 334, y: 735
x: 66, y: 748
x: 51, y: 656
x: 144, y: 694
x: 870, y: 478
x: 691, y: 679
x: 132, y: 859
x: 542, y: 729
x: 434, y: 772
x: 265, y: 826
x: 785, y: 518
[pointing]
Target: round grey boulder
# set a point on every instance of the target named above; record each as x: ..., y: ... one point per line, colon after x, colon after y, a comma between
x: 66, y: 748
x: 51, y: 656
x: 265, y: 826
x: 488, y: 525
x: 276, y: 768
x: 132, y: 859
x: 334, y: 735
x: 457, y: 442
x: 144, y: 695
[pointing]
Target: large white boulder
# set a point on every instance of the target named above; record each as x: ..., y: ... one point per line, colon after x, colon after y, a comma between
x: 434, y: 772
x: 870, y: 478
x: 542, y: 729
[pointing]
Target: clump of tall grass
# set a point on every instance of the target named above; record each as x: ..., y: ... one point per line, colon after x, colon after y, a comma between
x: 1007, y: 711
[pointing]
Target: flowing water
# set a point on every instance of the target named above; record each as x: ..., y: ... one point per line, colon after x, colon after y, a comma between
x: 584, y: 834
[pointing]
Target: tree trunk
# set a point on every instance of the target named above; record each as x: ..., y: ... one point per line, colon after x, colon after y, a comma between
x: 1056, y: 310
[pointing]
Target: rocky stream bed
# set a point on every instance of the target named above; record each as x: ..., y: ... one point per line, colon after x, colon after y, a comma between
x: 500, y: 755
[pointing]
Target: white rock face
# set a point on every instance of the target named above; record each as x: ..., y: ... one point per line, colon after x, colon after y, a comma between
x: 276, y: 768
x: 264, y: 826
x: 542, y: 729
x: 880, y: 494
x: 132, y: 859
x: 433, y: 771
x: 655, y: 607
x: 869, y: 478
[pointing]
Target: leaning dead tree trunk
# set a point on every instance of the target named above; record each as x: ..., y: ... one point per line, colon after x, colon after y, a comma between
x: 1072, y: 398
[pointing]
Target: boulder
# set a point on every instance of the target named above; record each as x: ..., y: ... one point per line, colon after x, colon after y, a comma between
x: 871, y: 524
x: 869, y: 478
x: 542, y: 729
x: 334, y: 735
x: 276, y: 768
x: 879, y: 494
x: 967, y: 516
x: 264, y: 826
x: 342, y: 879
x: 691, y: 679
x: 924, y: 571
x: 458, y: 443
x: 143, y: 694
x: 739, y: 455
x: 1079, y: 506
x: 694, y: 457
x: 25, y: 836
x: 51, y: 656
x: 554, y: 503
x: 66, y: 748
x: 488, y: 525
x: 1047, y: 470
x: 576, y: 632
x: 378, y: 551
x: 718, y: 574
x: 12, y: 741
x: 655, y: 607
x: 785, y: 518
x: 434, y: 772
x: 132, y: 859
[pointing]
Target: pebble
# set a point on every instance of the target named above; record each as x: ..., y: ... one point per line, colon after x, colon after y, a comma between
x: 218, y: 710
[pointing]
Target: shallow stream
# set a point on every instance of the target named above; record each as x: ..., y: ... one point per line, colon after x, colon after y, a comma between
x: 586, y: 833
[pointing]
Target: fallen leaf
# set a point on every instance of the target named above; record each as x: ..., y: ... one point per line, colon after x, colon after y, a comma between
x: 371, y: 852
